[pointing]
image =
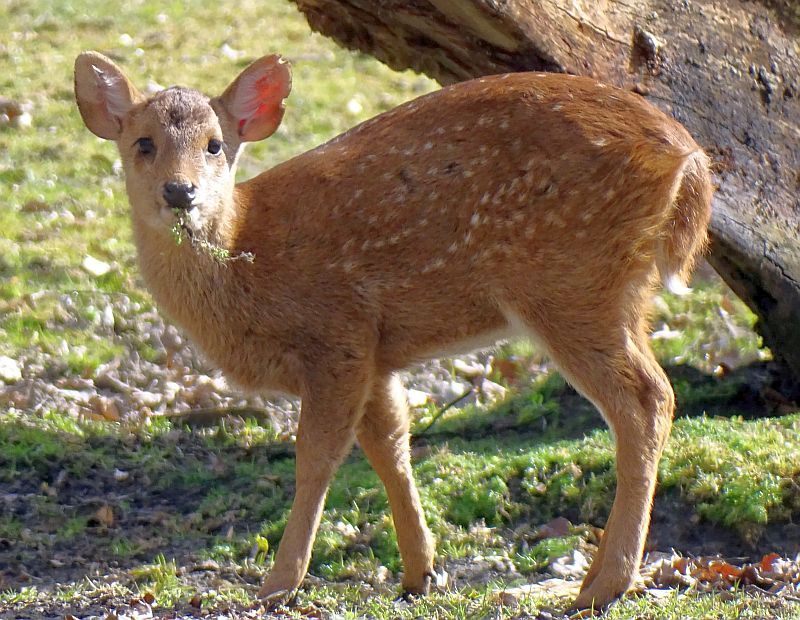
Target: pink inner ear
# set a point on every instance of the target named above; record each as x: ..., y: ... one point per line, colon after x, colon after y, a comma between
x: 268, y: 91
x: 261, y: 106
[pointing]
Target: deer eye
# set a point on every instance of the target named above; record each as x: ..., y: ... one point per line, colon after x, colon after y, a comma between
x: 214, y: 146
x: 146, y: 146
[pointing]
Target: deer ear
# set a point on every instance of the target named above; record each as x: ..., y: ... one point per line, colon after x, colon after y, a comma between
x: 103, y: 93
x: 255, y: 98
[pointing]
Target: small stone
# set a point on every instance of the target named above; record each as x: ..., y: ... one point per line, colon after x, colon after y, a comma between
x: 646, y: 41
x: 559, y: 526
x: 231, y: 54
x: 107, y: 317
x: 416, y: 398
x: 148, y: 399
x: 121, y: 475
x: 572, y: 566
x: 492, y: 391
x: 468, y: 370
x: 105, y: 407
x: 451, y: 390
x: 23, y: 121
x: 354, y: 107
x: 441, y: 578
x: 10, y: 371
x: 125, y: 39
x: 382, y: 574
x: 171, y: 391
x: 95, y: 266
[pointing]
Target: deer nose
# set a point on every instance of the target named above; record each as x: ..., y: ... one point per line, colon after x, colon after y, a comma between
x: 179, y: 195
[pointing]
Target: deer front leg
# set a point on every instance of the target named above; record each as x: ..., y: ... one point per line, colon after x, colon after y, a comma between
x: 325, y: 432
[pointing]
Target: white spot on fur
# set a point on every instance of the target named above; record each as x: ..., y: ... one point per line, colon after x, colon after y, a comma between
x: 600, y: 142
x: 475, y: 220
x: 428, y: 146
x: 554, y: 219
x: 557, y: 107
x: 437, y: 263
x: 453, y: 248
x: 504, y: 124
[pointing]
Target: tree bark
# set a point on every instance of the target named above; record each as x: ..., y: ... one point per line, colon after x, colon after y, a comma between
x: 728, y: 70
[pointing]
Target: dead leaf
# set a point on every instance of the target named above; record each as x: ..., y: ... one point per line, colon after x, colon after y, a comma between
x: 104, y: 515
x: 509, y: 370
x: 767, y: 561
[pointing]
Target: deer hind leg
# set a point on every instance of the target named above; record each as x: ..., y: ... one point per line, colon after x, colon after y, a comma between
x: 612, y: 365
x: 383, y: 435
x: 326, y: 431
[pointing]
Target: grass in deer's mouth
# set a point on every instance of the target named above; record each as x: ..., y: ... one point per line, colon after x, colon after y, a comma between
x: 182, y: 231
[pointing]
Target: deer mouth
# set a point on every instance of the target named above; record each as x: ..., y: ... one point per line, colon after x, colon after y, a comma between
x: 183, y: 222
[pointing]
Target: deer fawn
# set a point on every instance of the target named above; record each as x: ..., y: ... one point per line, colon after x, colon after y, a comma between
x: 542, y: 205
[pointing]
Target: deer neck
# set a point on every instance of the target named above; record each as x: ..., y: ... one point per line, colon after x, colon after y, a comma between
x: 187, y: 280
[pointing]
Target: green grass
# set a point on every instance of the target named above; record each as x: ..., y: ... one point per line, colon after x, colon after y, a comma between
x: 478, y: 491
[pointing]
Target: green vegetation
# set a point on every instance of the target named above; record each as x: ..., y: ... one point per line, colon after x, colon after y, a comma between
x: 149, y: 499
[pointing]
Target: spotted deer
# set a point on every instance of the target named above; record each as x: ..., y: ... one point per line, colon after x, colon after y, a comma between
x: 529, y: 204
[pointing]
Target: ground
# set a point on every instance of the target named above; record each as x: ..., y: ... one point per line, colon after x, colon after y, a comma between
x: 135, y: 482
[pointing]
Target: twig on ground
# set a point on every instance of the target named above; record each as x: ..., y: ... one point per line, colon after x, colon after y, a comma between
x: 440, y: 413
x: 211, y: 416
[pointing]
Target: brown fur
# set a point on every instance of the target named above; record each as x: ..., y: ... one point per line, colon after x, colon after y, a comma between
x: 546, y: 205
